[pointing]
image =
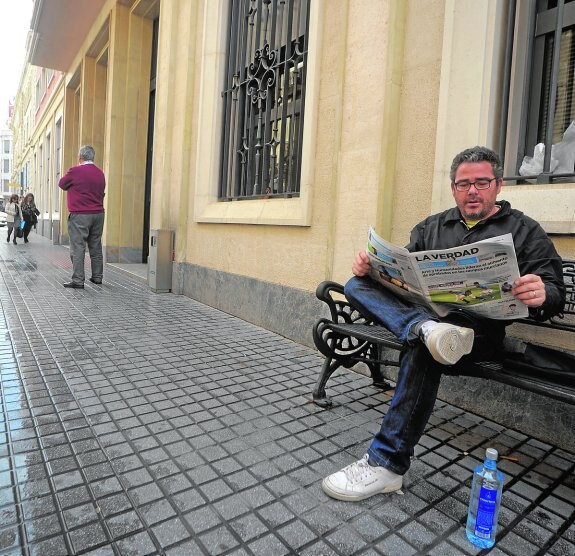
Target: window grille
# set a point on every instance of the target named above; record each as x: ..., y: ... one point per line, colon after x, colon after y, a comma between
x: 564, y: 103
x: 263, y: 99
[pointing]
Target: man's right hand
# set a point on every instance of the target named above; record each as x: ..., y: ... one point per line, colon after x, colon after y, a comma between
x: 361, y: 266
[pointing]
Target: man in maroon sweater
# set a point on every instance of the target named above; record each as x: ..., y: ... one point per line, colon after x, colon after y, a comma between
x: 85, y: 185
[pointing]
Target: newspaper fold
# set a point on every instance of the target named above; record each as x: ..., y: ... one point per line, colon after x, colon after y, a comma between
x: 477, y: 277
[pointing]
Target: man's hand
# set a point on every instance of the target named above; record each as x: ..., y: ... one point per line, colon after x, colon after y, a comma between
x: 530, y: 290
x: 361, y: 266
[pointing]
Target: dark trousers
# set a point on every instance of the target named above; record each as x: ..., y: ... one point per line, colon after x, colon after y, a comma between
x: 86, y: 229
x: 27, y: 227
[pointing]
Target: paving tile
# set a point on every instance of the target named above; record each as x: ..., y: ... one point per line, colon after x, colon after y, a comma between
x: 55, y: 546
x: 80, y: 515
x: 395, y: 545
x: 173, y: 484
x: 320, y: 548
x: 203, y: 518
x: 114, y: 504
x: 87, y: 536
x: 157, y: 511
x: 187, y: 548
x: 170, y: 532
x: 219, y: 540
x: 417, y: 535
x: 296, y: 534
x: 136, y: 545
x: 248, y: 527
x: 558, y: 506
x: 562, y: 547
x: 73, y: 496
x: 9, y: 538
x: 123, y: 524
x: 515, y: 544
x: 270, y: 544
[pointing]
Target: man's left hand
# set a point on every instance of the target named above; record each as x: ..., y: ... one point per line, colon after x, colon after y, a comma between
x: 530, y: 290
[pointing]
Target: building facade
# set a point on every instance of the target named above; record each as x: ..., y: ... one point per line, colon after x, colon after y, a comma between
x: 268, y: 136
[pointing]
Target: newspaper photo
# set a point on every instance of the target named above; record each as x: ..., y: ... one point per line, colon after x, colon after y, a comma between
x: 477, y: 277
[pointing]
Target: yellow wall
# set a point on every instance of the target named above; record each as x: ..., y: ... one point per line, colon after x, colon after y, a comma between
x: 394, y: 91
x: 354, y: 120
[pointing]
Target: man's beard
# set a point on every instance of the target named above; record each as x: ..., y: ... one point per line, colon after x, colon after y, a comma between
x: 477, y: 214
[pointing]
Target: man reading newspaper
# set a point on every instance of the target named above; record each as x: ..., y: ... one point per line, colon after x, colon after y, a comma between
x: 432, y: 343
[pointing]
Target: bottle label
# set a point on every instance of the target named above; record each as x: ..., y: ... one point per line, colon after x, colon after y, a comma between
x: 485, y: 512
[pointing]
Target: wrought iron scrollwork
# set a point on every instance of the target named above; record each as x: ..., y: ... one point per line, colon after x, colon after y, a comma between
x: 261, y: 75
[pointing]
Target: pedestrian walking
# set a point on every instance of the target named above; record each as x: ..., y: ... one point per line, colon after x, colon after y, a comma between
x: 12, y: 217
x: 85, y: 185
x: 30, y: 214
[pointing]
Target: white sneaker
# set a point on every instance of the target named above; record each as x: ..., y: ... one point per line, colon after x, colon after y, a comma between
x: 361, y: 480
x: 446, y: 342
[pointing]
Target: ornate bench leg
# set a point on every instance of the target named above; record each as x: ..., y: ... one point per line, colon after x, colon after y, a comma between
x: 328, y: 368
x: 375, y: 368
x: 378, y: 378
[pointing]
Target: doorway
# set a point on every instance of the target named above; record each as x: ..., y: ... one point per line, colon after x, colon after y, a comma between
x: 150, y: 144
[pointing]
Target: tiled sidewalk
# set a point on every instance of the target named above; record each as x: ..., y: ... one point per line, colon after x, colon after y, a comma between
x: 133, y: 423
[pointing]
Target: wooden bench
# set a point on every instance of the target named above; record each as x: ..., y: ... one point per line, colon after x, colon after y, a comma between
x: 348, y: 337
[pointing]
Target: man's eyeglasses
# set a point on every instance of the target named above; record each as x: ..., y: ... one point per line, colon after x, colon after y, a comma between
x: 482, y: 183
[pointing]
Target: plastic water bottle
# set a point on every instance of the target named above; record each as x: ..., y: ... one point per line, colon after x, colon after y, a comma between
x: 485, y: 501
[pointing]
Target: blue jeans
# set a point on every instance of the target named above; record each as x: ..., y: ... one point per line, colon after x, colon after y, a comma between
x: 419, y: 374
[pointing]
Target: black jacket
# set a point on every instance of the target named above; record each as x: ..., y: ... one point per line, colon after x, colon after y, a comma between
x: 30, y: 213
x: 536, y: 253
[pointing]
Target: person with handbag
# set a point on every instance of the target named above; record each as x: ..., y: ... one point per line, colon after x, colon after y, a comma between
x: 12, y: 217
x: 30, y: 214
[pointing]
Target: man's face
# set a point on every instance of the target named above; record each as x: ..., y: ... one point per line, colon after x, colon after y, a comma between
x: 475, y: 204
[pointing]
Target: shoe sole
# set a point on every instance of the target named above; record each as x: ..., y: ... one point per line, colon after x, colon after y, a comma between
x: 452, y: 346
x: 356, y: 497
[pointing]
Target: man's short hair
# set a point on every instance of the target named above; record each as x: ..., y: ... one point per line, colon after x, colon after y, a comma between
x: 477, y: 154
x: 87, y: 152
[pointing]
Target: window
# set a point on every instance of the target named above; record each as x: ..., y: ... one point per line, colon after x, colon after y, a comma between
x: 6, y: 146
x: 40, y: 86
x: 57, y: 166
x: 549, y: 79
x: 263, y: 99
x: 48, y: 171
x: 544, y: 62
x: 39, y: 172
x: 6, y: 166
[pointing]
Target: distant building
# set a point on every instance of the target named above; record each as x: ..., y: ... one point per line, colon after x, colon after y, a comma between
x: 6, y: 150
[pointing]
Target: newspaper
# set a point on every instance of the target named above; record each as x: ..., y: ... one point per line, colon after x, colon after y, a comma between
x: 477, y: 277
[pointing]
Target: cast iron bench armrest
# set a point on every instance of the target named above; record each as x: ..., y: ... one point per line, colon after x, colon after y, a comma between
x: 349, y: 337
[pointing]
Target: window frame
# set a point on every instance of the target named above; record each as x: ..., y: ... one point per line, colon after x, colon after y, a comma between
x: 295, y: 211
x: 522, y: 105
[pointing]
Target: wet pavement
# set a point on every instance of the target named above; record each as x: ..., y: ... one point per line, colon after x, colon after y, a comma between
x: 134, y: 423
